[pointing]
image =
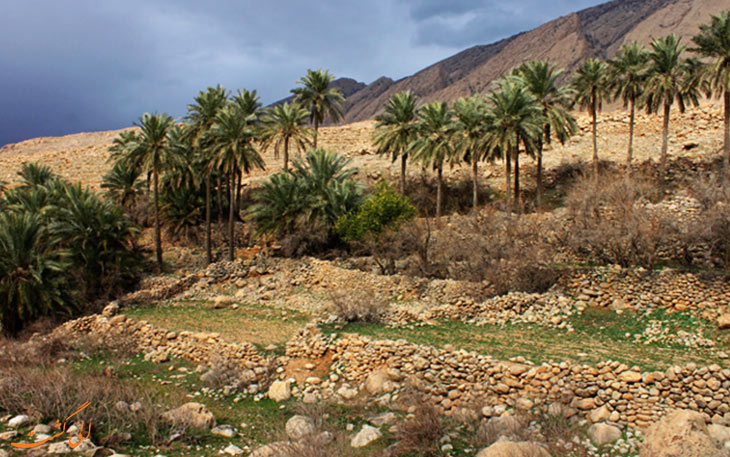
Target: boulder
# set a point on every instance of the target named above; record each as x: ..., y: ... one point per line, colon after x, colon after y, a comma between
x: 232, y: 449
x: 602, y: 433
x: 299, y: 427
x: 583, y: 403
x: 514, y: 449
x: 630, y: 376
x: 497, y: 427
x: 383, y: 419
x: 375, y: 382
x: 225, y: 431
x: 347, y: 393
x: 599, y: 415
x: 723, y: 322
x: 682, y: 433
x: 61, y: 447
x: 279, y: 391
x: 192, y: 415
x: 19, y: 421
x: 7, y: 436
x: 367, y: 435
x: 3, y: 453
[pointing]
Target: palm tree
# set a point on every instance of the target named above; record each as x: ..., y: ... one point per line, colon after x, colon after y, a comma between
x: 627, y: 76
x: 284, y: 123
x: 434, y: 143
x: 591, y: 88
x: 470, y: 128
x: 35, y: 174
x: 248, y: 104
x: 714, y: 42
x: 541, y: 80
x: 152, y: 155
x: 667, y: 83
x: 395, y: 130
x: 232, y: 147
x: 202, y: 115
x: 322, y: 100
x: 516, y: 118
x: 32, y: 270
x: 122, y: 184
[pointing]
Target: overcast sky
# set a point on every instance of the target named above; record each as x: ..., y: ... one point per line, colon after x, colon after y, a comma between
x: 83, y: 65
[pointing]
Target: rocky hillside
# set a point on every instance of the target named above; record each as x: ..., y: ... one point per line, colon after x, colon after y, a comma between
x: 595, y: 32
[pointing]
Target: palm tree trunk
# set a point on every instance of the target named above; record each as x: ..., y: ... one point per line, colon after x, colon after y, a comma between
x: 538, y: 197
x: 475, y: 177
x: 665, y: 139
x: 507, y: 176
x: 403, y: 160
x: 439, y: 190
x: 208, y: 251
x: 239, y: 188
x: 230, y: 218
x: 595, y: 136
x: 517, y: 173
x: 316, y: 130
x: 220, y: 200
x: 727, y: 129
x: 630, y: 152
x: 286, y: 153
x: 158, y: 236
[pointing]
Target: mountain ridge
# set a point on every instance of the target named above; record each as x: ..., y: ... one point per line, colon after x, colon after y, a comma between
x: 598, y: 31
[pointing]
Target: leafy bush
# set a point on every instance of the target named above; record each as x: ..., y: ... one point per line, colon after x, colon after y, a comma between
x: 384, y: 209
x: 317, y: 192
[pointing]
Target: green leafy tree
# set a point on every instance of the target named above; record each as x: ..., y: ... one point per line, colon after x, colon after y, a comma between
x: 153, y: 155
x: 627, y: 78
x: 713, y: 42
x: 668, y: 82
x: 384, y: 210
x: 202, y: 115
x: 281, y: 205
x: 542, y: 81
x: 33, y: 281
x: 323, y: 101
x: 283, y: 124
x: 516, y: 118
x: 434, y: 144
x: 395, y: 130
x: 232, y: 137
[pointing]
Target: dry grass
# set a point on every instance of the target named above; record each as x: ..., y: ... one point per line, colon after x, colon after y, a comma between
x: 358, y: 305
x: 421, y: 432
x: 255, y: 324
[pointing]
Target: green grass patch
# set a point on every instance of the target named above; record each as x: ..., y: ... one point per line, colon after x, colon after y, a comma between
x: 597, y: 337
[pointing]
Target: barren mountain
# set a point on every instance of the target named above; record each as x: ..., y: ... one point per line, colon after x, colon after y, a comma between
x: 595, y: 32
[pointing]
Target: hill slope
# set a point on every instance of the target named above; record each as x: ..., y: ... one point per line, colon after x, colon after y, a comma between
x: 595, y: 32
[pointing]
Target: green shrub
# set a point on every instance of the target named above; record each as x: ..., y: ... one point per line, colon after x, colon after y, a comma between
x: 385, y: 209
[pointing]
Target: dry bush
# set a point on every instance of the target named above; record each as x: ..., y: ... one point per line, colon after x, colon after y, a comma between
x: 712, y: 228
x: 608, y: 224
x: 358, y: 305
x: 420, y: 434
x: 50, y: 395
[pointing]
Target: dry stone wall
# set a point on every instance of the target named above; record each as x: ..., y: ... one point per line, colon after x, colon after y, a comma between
x: 159, y: 344
x: 457, y: 379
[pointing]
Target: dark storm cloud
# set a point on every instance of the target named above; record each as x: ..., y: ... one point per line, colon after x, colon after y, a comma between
x: 92, y: 65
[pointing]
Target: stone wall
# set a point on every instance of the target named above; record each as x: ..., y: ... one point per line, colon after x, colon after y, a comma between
x: 159, y: 344
x: 458, y: 379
